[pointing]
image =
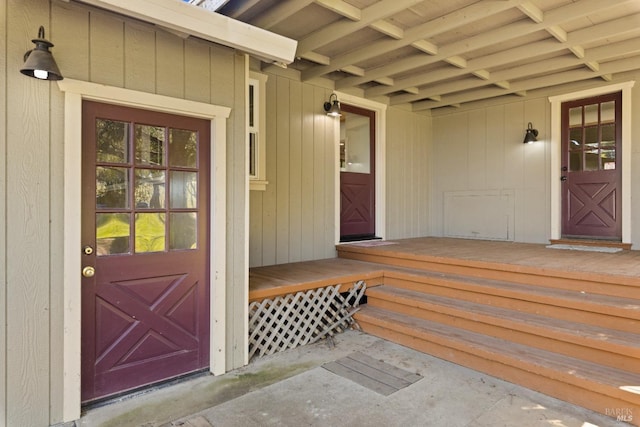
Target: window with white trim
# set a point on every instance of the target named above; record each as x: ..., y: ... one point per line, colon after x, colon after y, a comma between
x: 256, y: 124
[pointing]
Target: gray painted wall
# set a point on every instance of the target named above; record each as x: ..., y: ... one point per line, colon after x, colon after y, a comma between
x: 99, y: 47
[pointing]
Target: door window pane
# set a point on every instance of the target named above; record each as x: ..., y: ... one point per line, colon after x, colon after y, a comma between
x: 575, y: 161
x: 183, y: 148
x: 184, y: 230
x: 575, y: 116
x: 591, y: 138
x: 150, y: 232
x: 150, y: 189
x: 355, y: 132
x: 608, y: 111
x: 608, y: 158
x: 608, y: 135
x: 591, y: 114
x: 575, y: 139
x: 112, y: 144
x: 591, y: 160
x: 184, y: 190
x: 112, y: 188
x: 112, y: 233
x: 149, y: 145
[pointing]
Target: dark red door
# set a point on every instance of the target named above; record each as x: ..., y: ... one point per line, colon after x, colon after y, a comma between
x: 145, y: 290
x: 357, y: 174
x: 591, y: 167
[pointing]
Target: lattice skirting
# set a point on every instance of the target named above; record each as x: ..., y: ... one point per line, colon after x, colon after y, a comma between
x: 302, y: 318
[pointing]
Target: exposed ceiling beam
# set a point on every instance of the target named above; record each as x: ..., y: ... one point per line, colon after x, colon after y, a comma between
x: 619, y: 66
x: 444, y: 23
x: 597, y: 32
x: 278, y: 13
x: 552, y: 18
x: 631, y: 46
x: 211, y: 26
x: 344, y: 27
x: 342, y: 8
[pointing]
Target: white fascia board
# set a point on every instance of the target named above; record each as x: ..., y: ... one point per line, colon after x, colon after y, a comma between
x: 207, y: 25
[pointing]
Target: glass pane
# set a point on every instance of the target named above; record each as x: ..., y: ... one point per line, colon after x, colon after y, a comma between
x: 575, y: 116
x: 112, y: 233
x: 591, y: 160
x: 150, y: 189
x: 608, y: 135
x: 252, y: 154
x: 149, y: 145
x: 112, y: 145
x: 112, y: 185
x: 184, y: 230
x: 608, y: 158
x: 183, y: 148
x: 184, y: 190
x: 150, y: 232
x: 591, y: 137
x: 608, y: 111
x: 251, y: 105
x: 575, y: 161
x: 575, y: 138
x: 591, y: 114
x: 357, y: 142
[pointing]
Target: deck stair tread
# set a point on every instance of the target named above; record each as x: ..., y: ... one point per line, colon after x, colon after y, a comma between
x: 570, y: 370
x: 580, y: 333
x: 553, y: 296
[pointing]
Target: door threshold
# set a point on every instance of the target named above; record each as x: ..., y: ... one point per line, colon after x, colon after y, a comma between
x: 591, y: 242
x: 361, y: 238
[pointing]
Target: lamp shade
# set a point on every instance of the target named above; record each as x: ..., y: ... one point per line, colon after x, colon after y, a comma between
x: 333, y: 107
x: 39, y: 62
x: 531, y: 135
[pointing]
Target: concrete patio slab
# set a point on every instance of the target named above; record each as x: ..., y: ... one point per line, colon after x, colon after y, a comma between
x: 292, y: 389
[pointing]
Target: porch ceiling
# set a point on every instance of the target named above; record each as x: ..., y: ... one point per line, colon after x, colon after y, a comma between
x: 445, y: 53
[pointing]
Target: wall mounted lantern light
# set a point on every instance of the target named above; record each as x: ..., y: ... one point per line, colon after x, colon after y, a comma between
x: 531, y: 136
x: 39, y: 62
x: 332, y: 107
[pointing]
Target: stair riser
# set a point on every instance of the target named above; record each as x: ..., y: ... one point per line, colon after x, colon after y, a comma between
x: 622, y: 358
x: 524, y: 275
x: 557, y: 309
x: 581, y: 396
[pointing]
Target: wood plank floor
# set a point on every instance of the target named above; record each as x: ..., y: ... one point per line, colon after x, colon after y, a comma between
x: 625, y: 263
x: 287, y: 278
x: 273, y: 280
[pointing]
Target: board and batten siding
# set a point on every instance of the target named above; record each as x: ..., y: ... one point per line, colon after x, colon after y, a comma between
x: 293, y: 218
x: 99, y: 47
x: 408, y: 171
x: 478, y: 160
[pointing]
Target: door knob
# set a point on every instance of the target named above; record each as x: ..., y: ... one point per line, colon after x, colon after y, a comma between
x: 88, y: 271
x: 563, y: 178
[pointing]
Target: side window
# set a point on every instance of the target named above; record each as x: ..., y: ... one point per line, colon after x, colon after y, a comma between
x: 256, y: 118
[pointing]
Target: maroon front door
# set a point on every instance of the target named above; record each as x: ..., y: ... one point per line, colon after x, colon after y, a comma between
x: 145, y: 286
x: 357, y: 174
x: 591, y: 167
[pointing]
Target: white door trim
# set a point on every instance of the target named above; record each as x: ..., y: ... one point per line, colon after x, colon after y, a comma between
x: 380, y: 158
x: 75, y: 92
x: 556, y: 152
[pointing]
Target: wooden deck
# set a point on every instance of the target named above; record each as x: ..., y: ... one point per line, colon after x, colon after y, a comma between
x: 562, y: 322
x: 269, y: 281
x: 282, y: 279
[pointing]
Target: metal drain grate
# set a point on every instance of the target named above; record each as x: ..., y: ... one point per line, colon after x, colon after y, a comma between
x: 373, y: 374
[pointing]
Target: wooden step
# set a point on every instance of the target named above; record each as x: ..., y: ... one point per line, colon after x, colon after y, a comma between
x: 589, y: 342
x: 604, y: 283
x: 599, y: 388
x: 601, y: 310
